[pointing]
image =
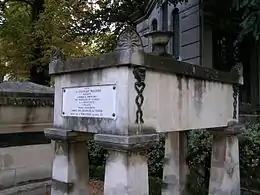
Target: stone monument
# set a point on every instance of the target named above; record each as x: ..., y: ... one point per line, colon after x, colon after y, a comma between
x: 25, y: 153
x: 126, y: 97
x: 25, y: 106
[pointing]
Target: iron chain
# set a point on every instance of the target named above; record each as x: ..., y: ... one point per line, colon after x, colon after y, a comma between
x: 139, y: 74
x: 235, y: 95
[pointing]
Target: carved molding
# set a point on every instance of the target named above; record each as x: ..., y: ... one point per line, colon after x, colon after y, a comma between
x: 34, y: 102
x: 56, y: 54
x: 237, y: 70
x: 160, y: 2
x: 128, y: 39
x: 123, y: 143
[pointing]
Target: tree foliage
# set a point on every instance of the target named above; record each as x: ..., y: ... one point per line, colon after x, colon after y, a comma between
x: 29, y: 28
x: 250, y: 22
x: 26, y: 41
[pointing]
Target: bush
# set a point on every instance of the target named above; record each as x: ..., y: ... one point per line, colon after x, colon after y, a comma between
x: 96, y: 160
x: 156, y: 157
x: 199, y: 155
x: 249, y: 148
x: 198, y: 159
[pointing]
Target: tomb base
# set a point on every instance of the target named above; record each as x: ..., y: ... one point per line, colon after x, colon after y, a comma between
x: 175, y: 169
x: 70, y: 173
x: 224, y: 172
x: 126, y: 165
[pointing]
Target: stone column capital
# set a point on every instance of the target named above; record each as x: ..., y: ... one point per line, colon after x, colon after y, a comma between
x: 233, y: 128
x: 65, y: 135
x: 126, y: 142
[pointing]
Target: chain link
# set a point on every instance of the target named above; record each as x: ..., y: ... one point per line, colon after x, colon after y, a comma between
x: 139, y: 74
x: 235, y: 95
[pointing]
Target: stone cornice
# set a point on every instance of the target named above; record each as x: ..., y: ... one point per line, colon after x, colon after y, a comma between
x: 151, y: 62
x: 29, y: 101
x: 25, y: 94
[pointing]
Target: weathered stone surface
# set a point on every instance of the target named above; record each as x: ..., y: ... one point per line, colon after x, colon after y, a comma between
x: 166, y: 86
x: 233, y: 128
x: 129, y: 143
x: 59, y: 187
x: 15, y: 177
x: 25, y: 106
x: 33, y: 188
x: 175, y: 168
x: 17, y: 168
x: 131, y: 57
x: 112, y: 59
x: 224, y: 172
x: 129, y: 39
x: 25, y: 94
x: 70, y: 170
x: 126, y: 174
x: 163, y: 95
x: 65, y: 135
x: 24, y: 87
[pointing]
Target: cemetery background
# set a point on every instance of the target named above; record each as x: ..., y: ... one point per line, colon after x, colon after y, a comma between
x: 249, y: 150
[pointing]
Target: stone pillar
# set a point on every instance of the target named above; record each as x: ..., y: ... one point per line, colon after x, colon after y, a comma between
x: 70, y: 173
x: 224, y: 172
x: 126, y: 165
x: 175, y: 169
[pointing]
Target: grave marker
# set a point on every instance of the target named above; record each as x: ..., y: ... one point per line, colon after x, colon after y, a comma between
x: 126, y: 97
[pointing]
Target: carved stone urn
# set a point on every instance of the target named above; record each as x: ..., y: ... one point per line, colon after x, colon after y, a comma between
x: 159, y: 40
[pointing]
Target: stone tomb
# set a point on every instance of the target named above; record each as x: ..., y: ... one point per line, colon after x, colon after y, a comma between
x: 126, y: 97
x: 25, y: 106
x: 26, y: 155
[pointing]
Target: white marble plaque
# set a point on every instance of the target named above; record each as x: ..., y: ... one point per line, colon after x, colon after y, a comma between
x: 91, y: 102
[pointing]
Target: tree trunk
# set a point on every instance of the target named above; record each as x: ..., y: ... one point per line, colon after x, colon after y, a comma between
x: 38, y: 72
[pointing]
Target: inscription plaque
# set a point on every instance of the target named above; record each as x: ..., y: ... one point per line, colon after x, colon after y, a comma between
x: 91, y: 102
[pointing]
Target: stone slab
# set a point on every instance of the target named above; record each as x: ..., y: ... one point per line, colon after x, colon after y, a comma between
x: 25, y: 163
x: 175, y: 103
x: 25, y: 106
x: 133, y: 142
x: 17, y: 157
x: 25, y: 118
x: 33, y: 188
x: 65, y: 135
x: 14, y: 177
x: 171, y: 102
x: 24, y: 88
x: 233, y: 128
x: 149, y: 61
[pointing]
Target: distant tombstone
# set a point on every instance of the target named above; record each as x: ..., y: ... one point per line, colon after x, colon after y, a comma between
x: 25, y: 110
x: 25, y: 107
